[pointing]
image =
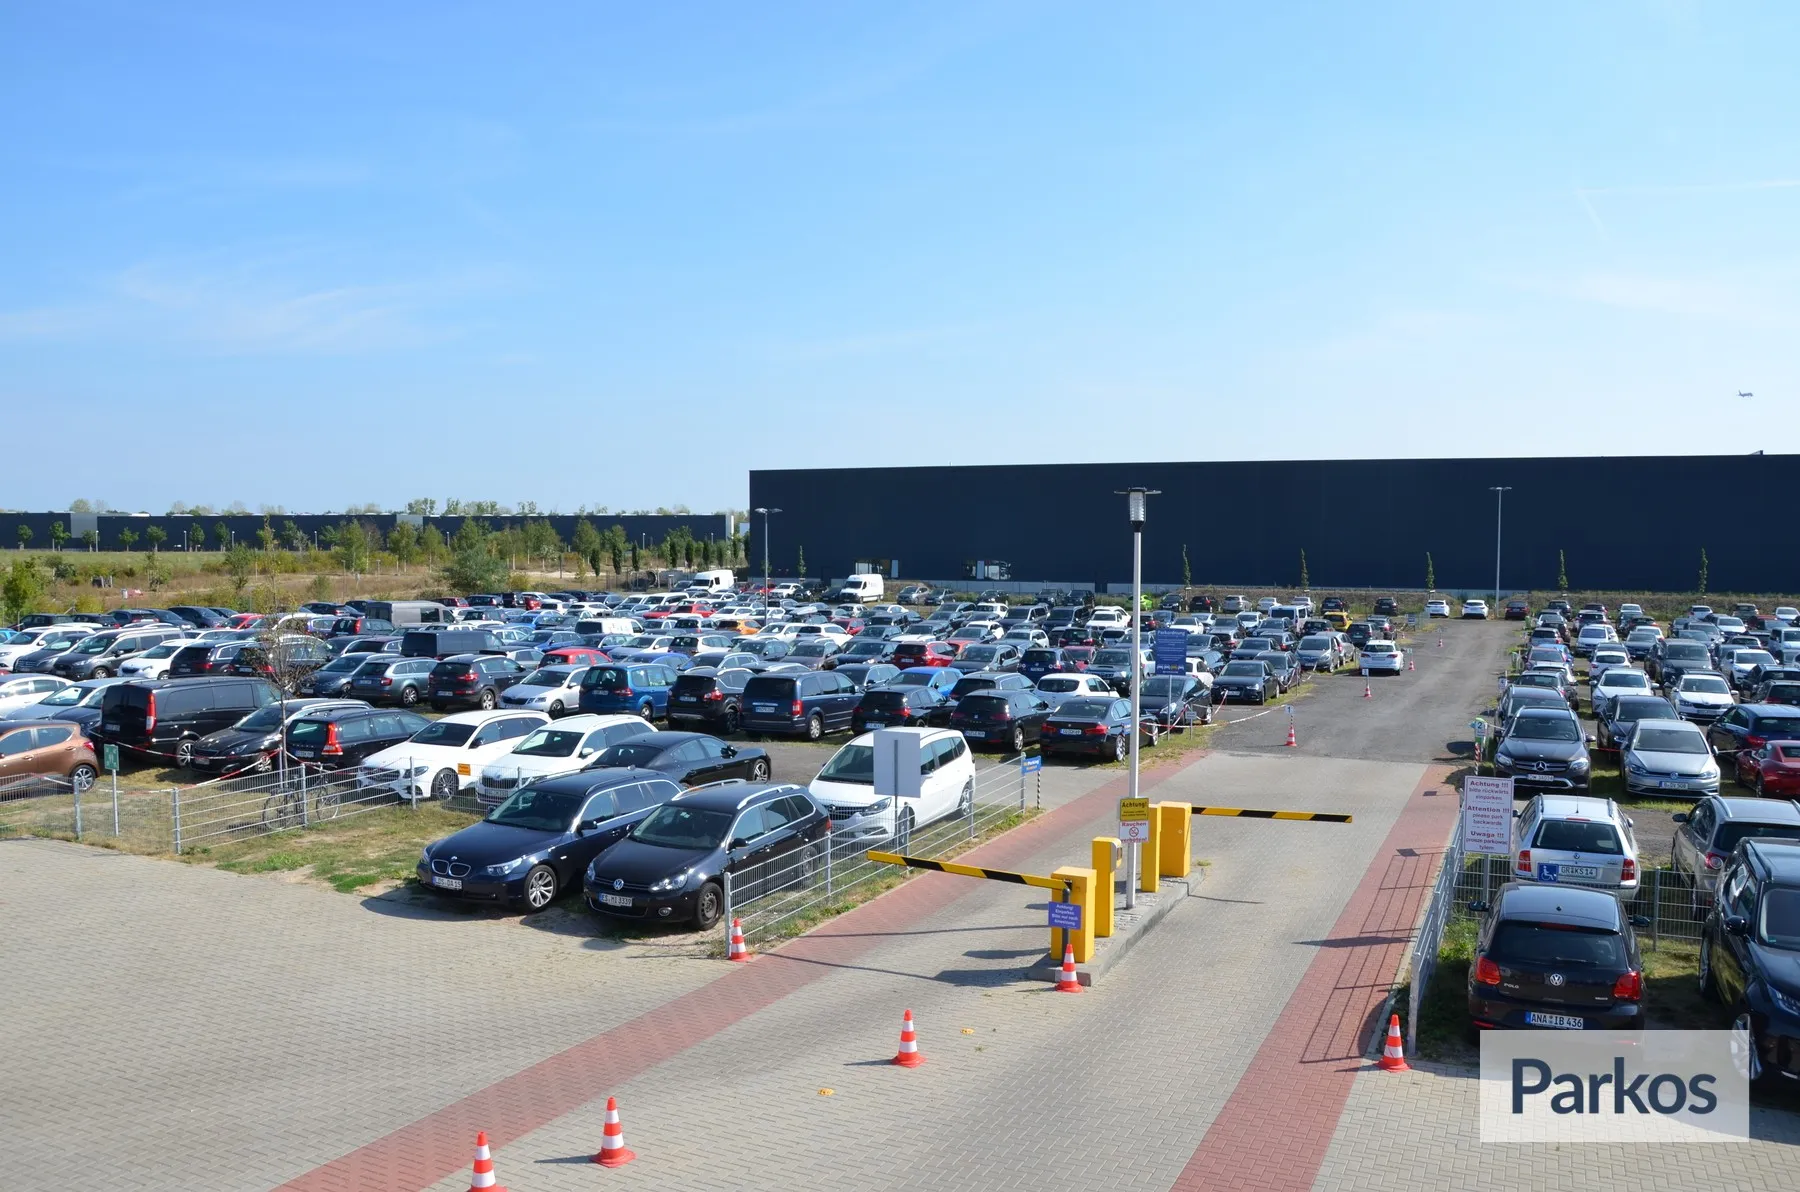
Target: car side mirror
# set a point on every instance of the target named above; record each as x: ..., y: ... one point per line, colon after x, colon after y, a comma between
x: 1479, y: 907
x: 1591, y: 739
x: 738, y: 842
x: 1737, y: 925
x: 1680, y: 817
x: 1640, y: 920
x: 728, y: 751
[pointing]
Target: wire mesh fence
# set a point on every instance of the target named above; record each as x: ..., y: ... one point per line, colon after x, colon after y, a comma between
x: 785, y: 896
x: 1675, y: 907
x: 100, y: 812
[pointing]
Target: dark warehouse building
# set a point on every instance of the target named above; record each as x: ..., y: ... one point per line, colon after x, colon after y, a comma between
x: 1629, y: 523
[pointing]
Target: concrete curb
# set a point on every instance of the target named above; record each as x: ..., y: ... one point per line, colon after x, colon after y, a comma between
x: 1128, y: 927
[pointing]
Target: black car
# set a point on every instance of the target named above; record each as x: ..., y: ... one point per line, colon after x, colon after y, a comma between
x: 252, y: 743
x: 692, y: 759
x: 198, y: 617
x: 1555, y: 956
x: 390, y: 679
x: 1009, y: 719
x: 1671, y: 659
x: 1360, y: 634
x: 1333, y: 604
x: 1387, y: 606
x: 1175, y: 701
x: 1750, y: 953
x: 342, y: 737
x: 803, y: 703
x: 1246, y: 680
x: 814, y: 652
x: 863, y: 649
x: 1783, y: 692
x: 1084, y: 725
x: 1624, y: 712
x: 984, y: 681
x: 540, y: 841
x: 1114, y: 665
x: 1286, y: 667
x: 673, y: 866
x: 206, y: 659
x: 1544, y: 750
x: 447, y: 643
x: 710, y: 697
x: 332, y: 679
x: 868, y: 674
x: 165, y: 718
x: 1751, y: 726
x: 1039, y: 661
x: 990, y: 656
x: 472, y: 680
x: 294, y: 656
x: 900, y: 707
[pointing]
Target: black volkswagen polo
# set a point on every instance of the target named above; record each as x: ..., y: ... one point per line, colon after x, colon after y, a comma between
x: 1557, y: 957
x: 531, y: 847
x: 674, y: 864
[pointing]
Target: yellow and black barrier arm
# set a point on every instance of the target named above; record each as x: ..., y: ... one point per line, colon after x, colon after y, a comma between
x: 1322, y: 817
x: 992, y: 875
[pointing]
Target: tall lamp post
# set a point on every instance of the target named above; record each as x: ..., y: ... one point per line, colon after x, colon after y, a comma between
x: 1499, y: 504
x: 766, y: 583
x: 1135, y: 501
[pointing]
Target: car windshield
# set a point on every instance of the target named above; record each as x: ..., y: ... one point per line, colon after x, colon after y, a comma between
x: 675, y: 826
x: 549, y: 742
x: 1653, y: 739
x: 445, y: 733
x: 1753, y: 658
x: 1113, y: 658
x: 337, y: 666
x: 1635, y: 680
x: 852, y: 763
x: 1730, y: 834
x: 1780, y: 925
x: 1684, y: 651
x: 1316, y: 642
x: 1165, y: 686
x: 816, y: 648
x: 1085, y: 709
x: 1708, y: 684
x: 1578, y: 836
x: 546, y: 677
x: 92, y: 645
x: 264, y: 720
x: 68, y: 697
x: 538, y: 809
x: 1555, y: 946
x: 1546, y: 728
x: 1059, y: 684
x: 981, y: 654
x: 1244, y: 668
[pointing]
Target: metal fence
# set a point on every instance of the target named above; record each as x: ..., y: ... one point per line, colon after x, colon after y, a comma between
x: 100, y: 812
x: 1431, y: 934
x: 785, y: 898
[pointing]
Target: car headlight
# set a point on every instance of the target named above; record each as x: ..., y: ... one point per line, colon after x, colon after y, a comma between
x: 672, y: 882
x: 877, y: 807
x: 1788, y: 1003
x: 425, y: 859
x: 1580, y: 763
x: 416, y: 771
x: 1710, y: 774
x: 504, y: 868
x: 1635, y: 766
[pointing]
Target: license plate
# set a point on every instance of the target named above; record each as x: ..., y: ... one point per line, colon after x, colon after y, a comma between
x: 871, y: 722
x: 1556, y: 873
x: 1069, y: 732
x: 974, y: 732
x: 616, y: 899
x: 688, y: 699
x: 109, y: 726
x: 304, y: 753
x: 446, y: 883
x: 1668, y: 785
x: 762, y: 707
x: 1562, y: 1022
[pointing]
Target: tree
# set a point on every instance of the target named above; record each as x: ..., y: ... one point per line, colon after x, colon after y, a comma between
x: 431, y: 544
x: 156, y: 536
x: 452, y: 507
x: 634, y: 556
x: 197, y: 535
x: 352, y: 548
x: 292, y: 535
x: 542, y: 544
x: 589, y: 546
x: 222, y: 535
x: 90, y: 539
x: 1187, y: 572
x: 800, y: 564
x: 422, y: 506
x: 240, y: 564
x: 1305, y: 580
x: 1704, y: 567
x: 266, y: 535
x: 81, y: 505
x: 476, y: 563
x: 1562, y: 573
x: 1430, y: 574
x: 616, y: 542
x: 22, y: 589
x: 59, y: 534
x: 24, y: 536
x: 403, y: 540
x: 127, y: 539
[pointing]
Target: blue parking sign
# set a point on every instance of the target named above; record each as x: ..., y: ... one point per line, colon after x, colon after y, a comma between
x: 1169, y: 650
x: 1030, y: 765
x: 1066, y: 915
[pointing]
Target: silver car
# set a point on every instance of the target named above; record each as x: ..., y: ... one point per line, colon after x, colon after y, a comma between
x: 1617, y: 681
x: 1575, y: 840
x: 1668, y: 757
x: 554, y: 690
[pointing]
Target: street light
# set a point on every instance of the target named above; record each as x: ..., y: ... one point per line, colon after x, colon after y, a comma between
x: 1499, y: 502
x: 1135, y: 501
x: 765, y: 511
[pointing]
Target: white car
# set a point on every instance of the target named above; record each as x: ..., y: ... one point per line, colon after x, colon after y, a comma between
x: 19, y: 690
x: 1027, y: 638
x: 1597, y: 634
x: 1437, y: 608
x: 1381, y: 655
x: 554, y: 690
x: 154, y: 662
x: 559, y: 748
x: 845, y: 787
x: 1058, y: 687
x: 1108, y: 617
x: 43, y: 638
x: 1702, y: 695
x: 1617, y: 681
x: 1605, y: 658
x: 446, y: 756
x: 1475, y: 610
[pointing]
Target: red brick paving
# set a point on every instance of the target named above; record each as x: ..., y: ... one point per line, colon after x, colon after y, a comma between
x: 1273, y: 1132
x: 418, y: 1155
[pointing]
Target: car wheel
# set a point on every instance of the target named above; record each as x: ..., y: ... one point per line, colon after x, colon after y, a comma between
x: 409, y: 695
x: 263, y: 764
x: 1018, y: 738
x: 647, y: 710
x: 731, y: 721
x: 81, y: 778
x: 759, y: 770
x: 487, y: 700
x: 100, y: 672
x: 966, y: 803
x: 811, y: 862
x: 1744, y: 1052
x: 815, y: 727
x: 540, y: 888
x: 1119, y: 748
x: 184, y: 754
x: 709, y: 904
x: 1709, y: 989
x: 444, y: 785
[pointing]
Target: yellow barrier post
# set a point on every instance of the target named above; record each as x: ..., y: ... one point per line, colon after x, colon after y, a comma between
x: 1147, y: 863
x: 1176, y: 823
x: 1081, y: 893
x: 1105, y: 884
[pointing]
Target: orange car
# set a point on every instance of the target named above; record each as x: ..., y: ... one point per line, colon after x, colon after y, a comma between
x: 51, y: 748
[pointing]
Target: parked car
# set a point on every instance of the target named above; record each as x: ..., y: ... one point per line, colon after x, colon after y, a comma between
x: 292, y: 657
x: 1701, y: 696
x: 1559, y: 958
x: 635, y: 687
x: 1088, y: 725
x: 22, y: 691
x: 559, y: 747
x: 553, y: 690
x: 1059, y: 688
x: 335, y: 678
x: 1437, y: 608
x: 1771, y: 769
x: 102, y: 654
x: 1179, y: 701
x: 845, y: 787
x: 1668, y: 757
x: 1751, y: 726
x: 993, y: 656
x: 342, y: 738
x: 1575, y: 840
x: 1706, y: 836
x: 1544, y: 749
x: 808, y: 705
x: 1319, y: 652
x: 472, y: 680
x: 1246, y: 680
x: 1009, y: 719
x: 692, y: 759
x: 1616, y: 682
x: 1624, y: 711
x: 76, y: 703
x: 1750, y: 955
x: 446, y: 757
x: 542, y: 839
x: 709, y: 698
x: 154, y: 662
x: 166, y: 718
x: 254, y: 742
x: 391, y: 679
x: 31, y: 753
x: 1671, y: 659
x: 670, y: 867
x: 900, y: 706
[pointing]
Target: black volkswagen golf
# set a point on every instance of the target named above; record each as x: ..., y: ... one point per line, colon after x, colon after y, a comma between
x: 673, y: 866
x: 533, y: 846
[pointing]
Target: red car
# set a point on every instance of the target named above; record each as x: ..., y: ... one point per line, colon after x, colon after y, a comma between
x: 850, y: 625
x: 574, y: 656
x: 924, y: 654
x: 1076, y: 658
x: 1773, y: 770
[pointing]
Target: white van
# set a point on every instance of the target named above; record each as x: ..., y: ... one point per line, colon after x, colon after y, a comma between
x: 862, y: 588
x: 714, y: 581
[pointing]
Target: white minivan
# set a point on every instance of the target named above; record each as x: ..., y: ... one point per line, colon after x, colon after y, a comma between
x: 863, y: 588
x: 845, y: 787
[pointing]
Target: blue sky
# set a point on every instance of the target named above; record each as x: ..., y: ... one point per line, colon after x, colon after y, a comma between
x: 598, y: 254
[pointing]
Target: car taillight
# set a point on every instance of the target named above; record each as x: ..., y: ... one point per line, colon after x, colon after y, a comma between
x: 1003, y: 714
x: 1756, y: 742
x: 149, y: 712
x: 1524, y: 865
x: 387, y: 682
x: 796, y: 708
x: 1096, y: 730
x: 1715, y: 860
x: 1628, y: 871
x: 713, y: 696
x: 1486, y: 972
x: 331, y: 741
x: 905, y: 713
x: 1629, y: 988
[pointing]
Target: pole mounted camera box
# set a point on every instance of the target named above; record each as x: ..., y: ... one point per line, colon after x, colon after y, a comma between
x: 898, y: 762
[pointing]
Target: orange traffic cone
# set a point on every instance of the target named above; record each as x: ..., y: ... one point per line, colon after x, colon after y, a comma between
x: 739, y: 951
x: 1393, y: 1057
x: 1409, y: 664
x: 612, y: 1139
x: 1440, y: 641
x: 1069, y: 982
x: 483, y: 1180
x: 1368, y: 692
x: 1291, y: 743
x: 908, y: 1056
